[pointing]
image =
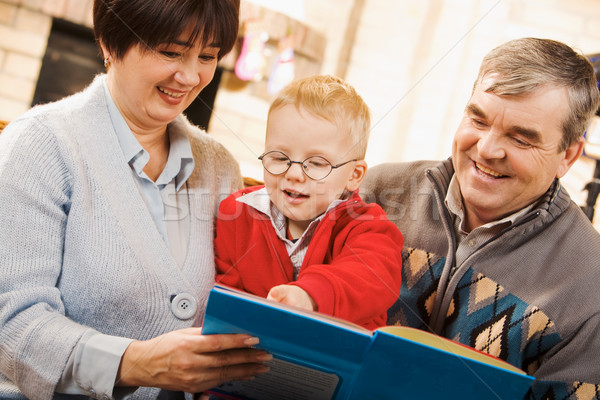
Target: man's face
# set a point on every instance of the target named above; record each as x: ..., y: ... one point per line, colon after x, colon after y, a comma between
x: 506, y: 150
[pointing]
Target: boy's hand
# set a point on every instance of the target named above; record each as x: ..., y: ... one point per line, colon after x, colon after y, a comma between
x: 292, y: 295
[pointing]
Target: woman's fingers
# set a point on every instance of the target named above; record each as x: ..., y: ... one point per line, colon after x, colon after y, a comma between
x: 213, y: 377
x: 195, y: 372
x: 186, y: 360
x: 212, y: 343
x: 224, y: 358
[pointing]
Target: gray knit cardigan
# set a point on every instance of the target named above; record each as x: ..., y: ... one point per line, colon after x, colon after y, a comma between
x: 79, y: 249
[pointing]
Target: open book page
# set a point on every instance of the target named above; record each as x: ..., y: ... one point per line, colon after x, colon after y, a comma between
x: 432, y: 340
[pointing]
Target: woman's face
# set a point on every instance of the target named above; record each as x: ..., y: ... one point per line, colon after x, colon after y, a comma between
x: 153, y: 86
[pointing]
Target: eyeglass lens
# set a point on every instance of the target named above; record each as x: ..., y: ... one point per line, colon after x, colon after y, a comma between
x: 277, y: 163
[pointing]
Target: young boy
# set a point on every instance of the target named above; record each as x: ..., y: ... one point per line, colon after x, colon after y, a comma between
x: 306, y: 238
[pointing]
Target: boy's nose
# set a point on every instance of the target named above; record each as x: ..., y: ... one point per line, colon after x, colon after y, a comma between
x: 295, y: 171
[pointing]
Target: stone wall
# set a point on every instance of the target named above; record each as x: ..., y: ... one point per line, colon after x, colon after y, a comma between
x: 24, y: 29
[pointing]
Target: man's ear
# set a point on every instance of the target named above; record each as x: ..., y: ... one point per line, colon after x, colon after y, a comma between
x: 572, y: 153
x: 358, y: 173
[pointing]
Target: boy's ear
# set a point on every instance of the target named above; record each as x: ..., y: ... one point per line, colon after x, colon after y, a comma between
x: 358, y: 173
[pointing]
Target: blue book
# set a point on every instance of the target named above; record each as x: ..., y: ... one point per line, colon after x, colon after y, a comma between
x: 318, y: 357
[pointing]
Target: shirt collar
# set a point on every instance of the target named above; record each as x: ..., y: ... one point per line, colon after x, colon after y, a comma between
x: 454, y: 204
x: 180, y: 163
x: 260, y: 201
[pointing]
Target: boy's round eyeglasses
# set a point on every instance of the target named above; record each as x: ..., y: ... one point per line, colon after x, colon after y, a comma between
x: 315, y: 167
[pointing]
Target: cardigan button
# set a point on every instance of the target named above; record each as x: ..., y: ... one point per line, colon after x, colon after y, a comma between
x: 184, y: 306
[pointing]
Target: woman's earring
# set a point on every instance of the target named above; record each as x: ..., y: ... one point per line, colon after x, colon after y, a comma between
x: 106, y: 63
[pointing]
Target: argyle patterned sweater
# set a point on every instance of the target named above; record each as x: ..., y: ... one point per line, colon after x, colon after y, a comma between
x: 530, y: 295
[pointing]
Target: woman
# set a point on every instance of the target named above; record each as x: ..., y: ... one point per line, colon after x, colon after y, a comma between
x: 107, y: 201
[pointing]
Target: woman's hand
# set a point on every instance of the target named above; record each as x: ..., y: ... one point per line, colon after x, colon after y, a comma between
x: 292, y: 295
x: 185, y: 360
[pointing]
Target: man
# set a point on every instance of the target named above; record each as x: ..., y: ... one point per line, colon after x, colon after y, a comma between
x: 497, y: 256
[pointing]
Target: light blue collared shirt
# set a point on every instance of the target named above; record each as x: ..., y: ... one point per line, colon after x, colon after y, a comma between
x: 167, y: 198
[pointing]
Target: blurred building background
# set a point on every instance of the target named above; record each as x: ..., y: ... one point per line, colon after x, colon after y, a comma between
x: 413, y: 61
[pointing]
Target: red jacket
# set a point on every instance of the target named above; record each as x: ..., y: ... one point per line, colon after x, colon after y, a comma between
x: 351, y: 267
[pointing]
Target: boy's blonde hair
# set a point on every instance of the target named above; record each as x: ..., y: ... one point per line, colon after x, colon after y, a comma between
x: 334, y: 100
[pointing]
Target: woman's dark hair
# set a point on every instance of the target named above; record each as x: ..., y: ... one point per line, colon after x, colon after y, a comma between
x: 122, y: 24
